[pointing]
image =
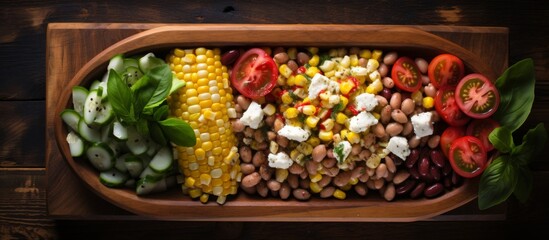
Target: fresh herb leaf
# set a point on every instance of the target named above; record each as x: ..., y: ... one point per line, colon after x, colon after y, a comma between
x: 516, y: 89
x: 142, y: 126
x: 525, y: 181
x: 178, y: 132
x: 120, y: 97
x: 502, y: 139
x: 176, y: 84
x: 156, y: 133
x: 161, y: 112
x: 532, y: 145
x: 160, y: 82
x: 497, y: 182
x: 142, y: 94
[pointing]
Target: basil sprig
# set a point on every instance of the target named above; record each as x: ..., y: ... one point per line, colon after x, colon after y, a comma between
x: 143, y: 105
x: 509, y: 174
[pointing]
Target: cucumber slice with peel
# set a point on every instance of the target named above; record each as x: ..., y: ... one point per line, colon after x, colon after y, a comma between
x: 76, y: 144
x: 71, y: 118
x: 88, y: 133
x: 162, y: 161
x: 134, y: 165
x: 119, y: 131
x: 104, y: 114
x: 150, y: 184
x: 136, y: 143
x: 117, y: 63
x: 101, y: 156
x: 91, y: 105
x: 131, y: 62
x: 148, y: 62
x: 113, y: 178
x: 79, y: 95
x: 120, y: 163
x: 131, y: 75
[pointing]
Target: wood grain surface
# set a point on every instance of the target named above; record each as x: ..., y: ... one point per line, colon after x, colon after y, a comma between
x: 22, y: 110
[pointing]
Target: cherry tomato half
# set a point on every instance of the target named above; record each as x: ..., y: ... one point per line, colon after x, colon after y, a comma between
x: 448, y: 137
x: 468, y: 157
x: 476, y: 96
x: 447, y: 108
x: 481, y: 128
x: 445, y: 69
x: 254, y: 74
x: 406, y: 74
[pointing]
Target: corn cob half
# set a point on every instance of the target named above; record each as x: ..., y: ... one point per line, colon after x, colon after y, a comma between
x: 212, y: 166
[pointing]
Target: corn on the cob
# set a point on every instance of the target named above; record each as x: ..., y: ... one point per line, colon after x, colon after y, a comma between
x: 212, y: 166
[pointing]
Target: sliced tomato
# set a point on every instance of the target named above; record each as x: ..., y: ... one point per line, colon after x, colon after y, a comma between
x: 447, y: 108
x: 448, y: 137
x: 481, y: 128
x: 445, y: 69
x: 468, y: 157
x: 406, y: 74
x: 476, y: 96
x: 254, y: 74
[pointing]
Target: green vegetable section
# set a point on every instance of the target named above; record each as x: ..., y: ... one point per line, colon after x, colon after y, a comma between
x: 509, y: 173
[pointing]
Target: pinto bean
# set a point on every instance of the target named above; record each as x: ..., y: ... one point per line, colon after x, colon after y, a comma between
x: 284, y: 191
x: 269, y: 120
x: 422, y: 65
x: 379, y: 183
x: 381, y: 101
x: 266, y: 172
x: 381, y: 170
x: 394, y: 129
x: 312, y: 167
x: 413, y: 142
x: 237, y: 126
x: 389, y: 193
x: 258, y: 136
x: 390, y: 58
x: 292, y: 65
x: 364, y: 154
x: 278, y: 124
x: 430, y: 90
x: 383, y: 70
x: 245, y: 154
x: 271, y: 136
x: 407, y: 106
x: 302, y: 58
x: 293, y: 180
x: 391, y: 167
x: 247, y: 168
x: 388, y: 82
x: 386, y: 114
x: 342, y: 178
x: 262, y: 189
x: 396, y: 100
x: 273, y: 185
x: 251, y: 180
x: 399, y: 116
x: 327, y: 192
x: 407, y: 128
x: 401, y: 176
x: 319, y: 153
x: 324, y: 181
x: 243, y: 102
x: 259, y: 159
x: 433, y: 141
x: 295, y: 168
x: 248, y: 190
x: 355, y: 149
x: 379, y: 130
x: 361, y: 189
x: 301, y: 194
x: 281, y: 57
x: 282, y: 141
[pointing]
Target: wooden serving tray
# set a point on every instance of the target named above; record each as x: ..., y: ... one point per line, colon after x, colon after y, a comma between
x: 71, y: 45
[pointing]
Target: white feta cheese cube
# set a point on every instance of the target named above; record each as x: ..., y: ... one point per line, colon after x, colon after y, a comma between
x: 342, y: 151
x: 361, y: 122
x: 319, y: 83
x: 399, y: 146
x: 294, y: 133
x: 366, y: 102
x: 422, y: 124
x: 253, y: 116
x: 279, y: 160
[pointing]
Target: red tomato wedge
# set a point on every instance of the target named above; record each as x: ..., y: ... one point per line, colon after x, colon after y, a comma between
x: 448, y: 137
x: 406, y: 74
x: 468, y: 157
x: 481, y: 128
x: 447, y: 108
x: 254, y: 74
x: 445, y: 69
x: 476, y: 96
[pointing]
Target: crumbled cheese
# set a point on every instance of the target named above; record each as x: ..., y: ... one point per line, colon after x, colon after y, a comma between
x: 342, y: 151
x: 361, y: 122
x: 279, y: 160
x: 319, y: 83
x: 422, y: 124
x: 294, y: 133
x: 399, y: 146
x: 253, y: 116
x: 366, y: 102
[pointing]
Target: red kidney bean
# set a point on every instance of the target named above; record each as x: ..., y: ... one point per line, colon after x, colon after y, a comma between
x: 418, y: 190
x: 447, y: 181
x: 456, y: 179
x: 433, y: 190
x: 446, y: 170
x: 437, y: 158
x: 386, y: 93
x: 423, y: 167
x: 412, y: 158
x: 405, y: 187
x: 435, y: 172
x: 230, y: 56
x: 414, y: 173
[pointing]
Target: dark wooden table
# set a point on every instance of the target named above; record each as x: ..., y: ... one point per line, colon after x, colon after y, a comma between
x: 23, y: 209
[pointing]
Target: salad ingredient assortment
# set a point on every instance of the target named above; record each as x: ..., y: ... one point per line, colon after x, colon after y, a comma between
x: 292, y: 122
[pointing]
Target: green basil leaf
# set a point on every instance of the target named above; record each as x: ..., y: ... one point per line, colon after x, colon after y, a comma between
x: 533, y: 144
x: 120, y: 97
x: 176, y: 84
x: 502, y: 139
x: 178, y: 131
x: 143, y: 93
x: 524, y: 184
x: 156, y: 133
x: 516, y: 90
x: 142, y: 126
x: 161, y: 81
x: 161, y: 112
x: 497, y: 182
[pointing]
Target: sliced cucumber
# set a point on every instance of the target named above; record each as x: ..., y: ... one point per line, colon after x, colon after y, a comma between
x: 119, y: 131
x: 115, y: 146
x: 149, y: 172
x: 105, y: 132
x: 148, y: 62
x: 101, y: 156
x: 117, y: 63
x: 95, y: 85
x: 88, y: 133
x: 113, y: 178
x: 79, y: 95
x: 134, y: 165
x: 104, y: 114
x: 131, y: 62
x: 132, y: 74
x: 120, y: 163
x: 91, y: 105
x: 71, y: 118
x: 162, y: 161
x: 136, y: 143
x: 151, y: 184
x: 76, y: 144
x: 130, y: 183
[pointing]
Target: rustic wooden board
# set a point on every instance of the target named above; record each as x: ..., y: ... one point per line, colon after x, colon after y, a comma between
x: 67, y: 196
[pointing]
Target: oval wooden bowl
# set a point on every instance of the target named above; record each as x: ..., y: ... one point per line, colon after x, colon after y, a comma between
x: 174, y: 205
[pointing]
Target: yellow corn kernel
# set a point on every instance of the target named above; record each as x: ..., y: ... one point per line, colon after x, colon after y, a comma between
x: 269, y: 109
x: 308, y: 110
x: 376, y: 115
x: 294, y: 153
x: 300, y: 80
x: 195, y: 192
x: 314, y: 60
x: 428, y: 102
x: 330, y: 73
x: 284, y: 70
x: 339, y: 194
x: 372, y: 65
x: 346, y: 187
x: 286, y: 98
x: 316, y: 177
x: 189, y: 181
x: 305, y: 148
x: 291, y: 112
x: 325, y: 135
x: 315, y: 188
x: 376, y: 54
x: 204, y: 198
x: 343, y: 100
x: 341, y: 118
x: 365, y: 53
x: 346, y: 86
x: 328, y: 124
x: 312, y: 71
x: 281, y: 174
x: 417, y: 96
x: 314, y: 141
x: 311, y: 121
x: 343, y: 133
x: 353, y: 137
x: 353, y: 181
x: 313, y: 50
x: 290, y: 81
